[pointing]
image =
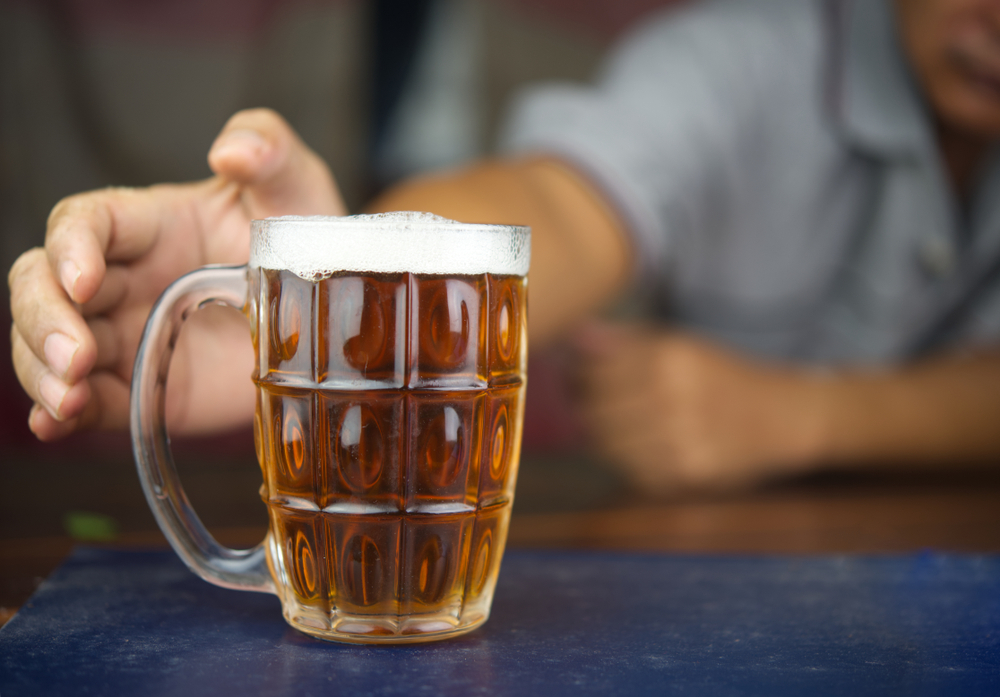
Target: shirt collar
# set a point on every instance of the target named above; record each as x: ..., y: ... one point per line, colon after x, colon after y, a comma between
x: 876, y: 97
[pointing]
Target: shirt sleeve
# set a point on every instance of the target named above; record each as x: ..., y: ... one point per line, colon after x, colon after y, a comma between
x: 662, y: 131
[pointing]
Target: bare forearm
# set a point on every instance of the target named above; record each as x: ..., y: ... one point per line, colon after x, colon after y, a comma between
x: 579, y: 256
x: 941, y: 412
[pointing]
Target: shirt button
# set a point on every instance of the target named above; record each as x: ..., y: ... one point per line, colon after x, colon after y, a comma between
x: 937, y: 256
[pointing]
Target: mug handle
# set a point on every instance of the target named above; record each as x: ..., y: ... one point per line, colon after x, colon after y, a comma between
x: 241, y: 569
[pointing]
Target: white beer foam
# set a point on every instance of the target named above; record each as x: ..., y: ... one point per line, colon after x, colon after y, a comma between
x: 316, y: 247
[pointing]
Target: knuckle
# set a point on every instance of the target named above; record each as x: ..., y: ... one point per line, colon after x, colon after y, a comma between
x: 22, y: 266
x: 265, y: 114
x: 262, y: 118
x: 59, y: 210
x: 90, y: 205
x: 70, y: 206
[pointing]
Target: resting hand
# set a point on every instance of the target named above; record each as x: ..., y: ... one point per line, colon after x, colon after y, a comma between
x: 678, y: 413
x: 80, y: 303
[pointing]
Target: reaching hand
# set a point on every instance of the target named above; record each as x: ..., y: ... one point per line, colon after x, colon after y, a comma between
x: 678, y: 413
x: 80, y: 303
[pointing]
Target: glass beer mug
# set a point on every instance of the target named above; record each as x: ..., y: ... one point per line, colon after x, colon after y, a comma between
x: 390, y: 372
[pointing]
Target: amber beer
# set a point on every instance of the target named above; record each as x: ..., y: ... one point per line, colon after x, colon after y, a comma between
x: 388, y: 429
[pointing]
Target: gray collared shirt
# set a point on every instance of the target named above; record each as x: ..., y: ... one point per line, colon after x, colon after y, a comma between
x: 776, y: 167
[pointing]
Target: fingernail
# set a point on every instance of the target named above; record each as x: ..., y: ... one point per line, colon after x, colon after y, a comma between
x: 241, y: 140
x: 53, y: 391
x: 69, y: 272
x: 59, y: 351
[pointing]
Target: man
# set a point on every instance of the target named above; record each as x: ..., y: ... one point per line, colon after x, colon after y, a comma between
x: 796, y: 184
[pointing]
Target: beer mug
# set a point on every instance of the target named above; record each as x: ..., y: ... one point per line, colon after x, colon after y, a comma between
x: 390, y: 373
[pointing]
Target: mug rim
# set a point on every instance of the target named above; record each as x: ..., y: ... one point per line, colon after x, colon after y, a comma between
x: 365, y: 221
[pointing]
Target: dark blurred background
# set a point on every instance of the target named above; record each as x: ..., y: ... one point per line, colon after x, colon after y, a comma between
x: 118, y: 92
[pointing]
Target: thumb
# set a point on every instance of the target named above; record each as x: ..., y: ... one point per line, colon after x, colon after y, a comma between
x: 280, y: 175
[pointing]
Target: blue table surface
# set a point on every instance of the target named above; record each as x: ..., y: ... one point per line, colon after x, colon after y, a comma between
x: 112, y: 622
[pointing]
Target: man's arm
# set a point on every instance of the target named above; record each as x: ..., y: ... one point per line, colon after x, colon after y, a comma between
x: 579, y: 252
x: 942, y: 411
x: 679, y: 412
x: 676, y: 412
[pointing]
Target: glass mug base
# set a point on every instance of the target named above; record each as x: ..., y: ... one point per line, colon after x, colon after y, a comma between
x: 347, y: 581
x: 365, y: 629
x: 376, y: 634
